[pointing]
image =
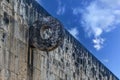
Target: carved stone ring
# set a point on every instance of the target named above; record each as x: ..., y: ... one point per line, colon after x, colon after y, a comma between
x: 46, y: 34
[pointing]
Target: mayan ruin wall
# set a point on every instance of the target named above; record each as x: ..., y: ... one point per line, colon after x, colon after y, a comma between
x: 35, y: 46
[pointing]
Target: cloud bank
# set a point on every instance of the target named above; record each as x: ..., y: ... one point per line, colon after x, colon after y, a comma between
x: 101, y: 16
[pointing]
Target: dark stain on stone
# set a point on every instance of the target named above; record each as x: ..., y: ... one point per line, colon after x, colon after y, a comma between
x: 74, y: 75
x: 3, y: 37
x: 76, y: 64
x: 73, y: 55
x: 6, y: 19
x: 62, y: 60
x: 30, y: 63
x: 8, y: 1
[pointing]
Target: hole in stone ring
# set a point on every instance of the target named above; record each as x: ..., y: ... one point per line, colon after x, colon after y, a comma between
x: 46, y: 32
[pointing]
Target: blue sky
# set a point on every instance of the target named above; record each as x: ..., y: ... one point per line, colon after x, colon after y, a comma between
x: 95, y: 23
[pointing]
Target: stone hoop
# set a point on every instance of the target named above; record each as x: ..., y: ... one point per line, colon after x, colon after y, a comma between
x: 46, y: 34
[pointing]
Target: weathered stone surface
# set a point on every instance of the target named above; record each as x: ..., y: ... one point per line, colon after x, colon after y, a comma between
x: 68, y: 60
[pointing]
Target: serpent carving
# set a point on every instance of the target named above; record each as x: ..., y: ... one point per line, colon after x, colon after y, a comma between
x: 46, y: 34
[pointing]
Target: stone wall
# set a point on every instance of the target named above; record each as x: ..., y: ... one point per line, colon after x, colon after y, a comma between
x: 22, y: 57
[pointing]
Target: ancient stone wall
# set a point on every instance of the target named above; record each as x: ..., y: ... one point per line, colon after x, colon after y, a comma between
x: 35, y: 46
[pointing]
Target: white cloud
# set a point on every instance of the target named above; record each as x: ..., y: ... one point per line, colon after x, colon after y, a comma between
x: 98, y: 42
x: 74, y: 31
x: 61, y: 8
x: 101, y: 16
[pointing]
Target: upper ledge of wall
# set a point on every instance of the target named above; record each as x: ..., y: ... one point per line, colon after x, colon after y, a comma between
x: 37, y: 7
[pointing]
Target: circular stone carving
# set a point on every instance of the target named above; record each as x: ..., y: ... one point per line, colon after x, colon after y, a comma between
x: 47, y: 34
